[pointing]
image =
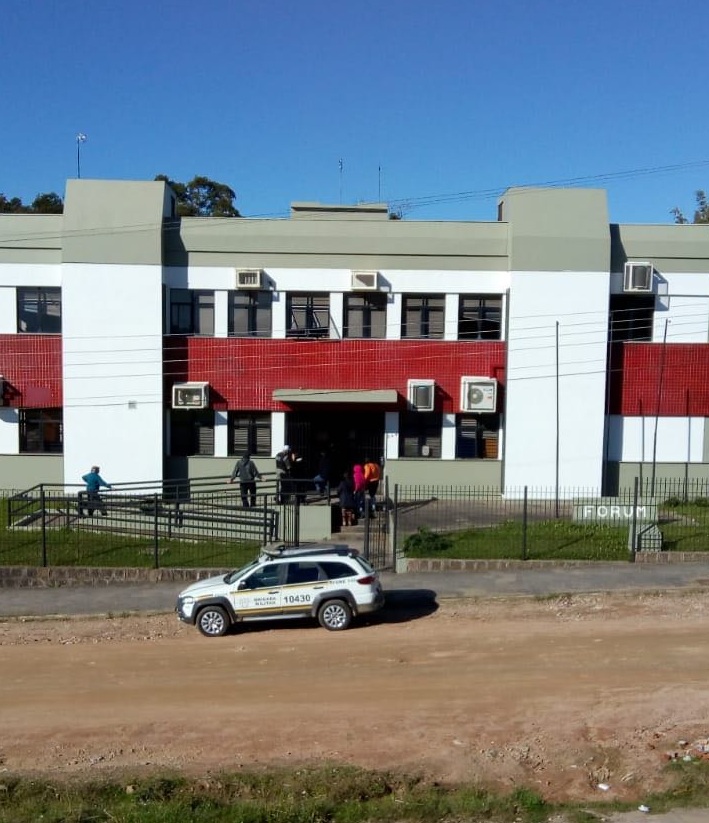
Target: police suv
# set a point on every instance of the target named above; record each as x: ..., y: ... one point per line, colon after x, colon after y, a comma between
x: 329, y: 582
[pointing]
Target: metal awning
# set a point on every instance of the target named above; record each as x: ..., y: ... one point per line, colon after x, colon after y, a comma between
x: 336, y: 395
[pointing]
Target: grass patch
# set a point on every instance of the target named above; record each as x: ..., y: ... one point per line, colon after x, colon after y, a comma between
x: 326, y: 794
x: 546, y: 540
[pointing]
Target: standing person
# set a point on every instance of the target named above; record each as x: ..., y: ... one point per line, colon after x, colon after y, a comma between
x: 248, y: 474
x: 359, y: 487
x: 345, y: 492
x: 94, y: 482
x: 322, y: 478
x: 372, y: 475
x: 284, y: 465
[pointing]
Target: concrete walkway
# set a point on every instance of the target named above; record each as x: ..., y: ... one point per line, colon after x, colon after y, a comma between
x: 540, y: 582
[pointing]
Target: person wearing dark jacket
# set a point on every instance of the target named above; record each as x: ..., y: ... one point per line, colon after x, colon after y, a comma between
x: 245, y: 469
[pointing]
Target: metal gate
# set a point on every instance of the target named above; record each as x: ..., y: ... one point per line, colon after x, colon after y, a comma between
x: 377, y: 528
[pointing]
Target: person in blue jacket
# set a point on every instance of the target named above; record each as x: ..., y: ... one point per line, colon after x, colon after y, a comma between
x: 94, y: 482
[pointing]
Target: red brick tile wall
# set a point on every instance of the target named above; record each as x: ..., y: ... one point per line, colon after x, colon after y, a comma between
x: 243, y: 373
x: 31, y: 365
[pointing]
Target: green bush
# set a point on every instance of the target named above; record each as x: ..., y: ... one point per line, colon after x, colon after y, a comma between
x: 424, y: 542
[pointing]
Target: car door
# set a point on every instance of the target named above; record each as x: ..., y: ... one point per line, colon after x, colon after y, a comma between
x: 301, y: 584
x: 259, y: 595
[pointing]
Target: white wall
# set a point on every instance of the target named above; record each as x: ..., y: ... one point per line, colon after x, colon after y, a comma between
x: 9, y: 431
x: 687, y: 319
x: 679, y: 439
x: 112, y: 353
x: 578, y: 301
x: 8, y: 311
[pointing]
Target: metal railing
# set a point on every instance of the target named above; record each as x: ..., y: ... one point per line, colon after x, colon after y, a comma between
x: 192, y: 523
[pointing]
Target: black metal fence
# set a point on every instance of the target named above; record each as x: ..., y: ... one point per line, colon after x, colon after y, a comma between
x: 534, y: 523
x: 205, y: 523
x: 196, y: 523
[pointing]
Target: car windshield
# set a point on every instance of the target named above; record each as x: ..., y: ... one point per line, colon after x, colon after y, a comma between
x: 236, y: 574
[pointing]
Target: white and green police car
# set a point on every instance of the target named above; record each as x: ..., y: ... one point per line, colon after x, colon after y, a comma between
x: 328, y: 582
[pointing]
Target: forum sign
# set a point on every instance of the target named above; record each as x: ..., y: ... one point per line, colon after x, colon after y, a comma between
x: 613, y: 511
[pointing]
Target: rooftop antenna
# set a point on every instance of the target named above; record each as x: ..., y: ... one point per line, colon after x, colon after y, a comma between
x: 379, y: 186
x: 80, y: 138
x: 341, y: 167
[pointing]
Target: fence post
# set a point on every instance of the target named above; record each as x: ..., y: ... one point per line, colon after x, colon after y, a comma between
x: 42, y: 499
x: 634, y: 524
x: 524, y: 525
x: 156, y: 547
x: 394, y: 524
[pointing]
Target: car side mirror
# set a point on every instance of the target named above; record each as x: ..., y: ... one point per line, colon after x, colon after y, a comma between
x: 242, y: 585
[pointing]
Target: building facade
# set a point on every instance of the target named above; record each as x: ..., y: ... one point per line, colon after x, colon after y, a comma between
x: 547, y: 348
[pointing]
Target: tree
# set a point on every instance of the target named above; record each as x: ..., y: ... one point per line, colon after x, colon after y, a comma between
x: 701, y: 213
x: 202, y: 197
x: 49, y: 203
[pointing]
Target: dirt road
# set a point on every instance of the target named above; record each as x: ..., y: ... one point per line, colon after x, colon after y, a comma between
x: 561, y: 694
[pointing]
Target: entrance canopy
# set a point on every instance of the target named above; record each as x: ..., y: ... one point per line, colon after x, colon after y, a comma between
x: 390, y: 396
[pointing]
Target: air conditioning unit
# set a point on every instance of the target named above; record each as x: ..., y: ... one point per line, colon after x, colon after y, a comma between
x: 364, y: 280
x: 190, y: 396
x: 478, y: 394
x: 637, y: 277
x: 422, y: 395
x: 249, y: 279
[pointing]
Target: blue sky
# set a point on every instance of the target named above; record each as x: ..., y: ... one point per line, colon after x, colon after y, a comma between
x: 458, y: 96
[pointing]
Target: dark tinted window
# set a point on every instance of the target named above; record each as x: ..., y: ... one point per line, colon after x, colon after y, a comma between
x: 334, y: 570
x: 303, y: 572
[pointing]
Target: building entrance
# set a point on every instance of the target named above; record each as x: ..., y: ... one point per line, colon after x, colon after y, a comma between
x: 345, y: 435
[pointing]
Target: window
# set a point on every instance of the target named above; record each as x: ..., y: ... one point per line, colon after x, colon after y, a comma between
x: 41, y: 431
x: 303, y: 572
x: 631, y: 318
x: 423, y: 316
x: 250, y: 313
x: 336, y: 571
x: 365, y: 315
x: 191, y: 432
x: 477, y: 436
x: 420, y: 435
x: 39, y: 311
x: 191, y: 312
x: 267, y: 576
x: 479, y: 317
x: 250, y: 433
x: 308, y: 315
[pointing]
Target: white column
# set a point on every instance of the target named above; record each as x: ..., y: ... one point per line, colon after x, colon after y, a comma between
x: 278, y: 432
x: 278, y: 315
x: 391, y: 435
x: 221, y: 313
x: 450, y: 323
x: 394, y: 317
x: 337, y: 315
x: 9, y: 431
x: 448, y: 437
x: 221, y: 434
x: 8, y: 310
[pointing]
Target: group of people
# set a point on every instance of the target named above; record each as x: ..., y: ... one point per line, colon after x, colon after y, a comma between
x: 357, y: 489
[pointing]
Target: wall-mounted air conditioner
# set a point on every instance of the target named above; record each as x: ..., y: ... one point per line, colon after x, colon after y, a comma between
x: 422, y: 395
x: 190, y: 396
x: 249, y: 279
x: 365, y: 280
x: 478, y: 394
x: 637, y: 277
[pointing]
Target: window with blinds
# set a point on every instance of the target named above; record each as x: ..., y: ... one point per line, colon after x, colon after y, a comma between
x: 420, y: 435
x: 480, y: 317
x: 39, y: 311
x: 308, y: 315
x: 365, y: 316
x: 250, y: 313
x: 477, y: 436
x: 250, y: 433
x: 422, y: 316
x: 191, y: 432
x: 41, y: 430
x: 191, y: 312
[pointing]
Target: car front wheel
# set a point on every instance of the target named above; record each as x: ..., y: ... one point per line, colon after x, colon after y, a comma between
x: 213, y: 621
x: 335, y: 615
